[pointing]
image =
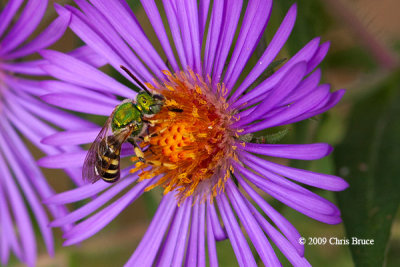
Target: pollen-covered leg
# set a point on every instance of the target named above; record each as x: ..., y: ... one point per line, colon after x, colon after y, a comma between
x: 148, y: 137
x: 136, y: 148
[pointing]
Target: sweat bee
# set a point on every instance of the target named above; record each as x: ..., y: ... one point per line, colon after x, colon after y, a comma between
x: 126, y: 123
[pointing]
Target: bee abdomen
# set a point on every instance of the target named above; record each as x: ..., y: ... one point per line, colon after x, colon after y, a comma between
x: 108, y: 166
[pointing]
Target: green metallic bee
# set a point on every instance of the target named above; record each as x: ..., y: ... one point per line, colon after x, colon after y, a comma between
x: 126, y: 123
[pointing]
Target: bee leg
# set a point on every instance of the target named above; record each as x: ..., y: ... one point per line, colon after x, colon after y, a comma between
x: 149, y: 122
x: 150, y: 135
x: 136, y: 148
x: 152, y: 151
x: 168, y: 65
x: 176, y: 110
x: 157, y: 163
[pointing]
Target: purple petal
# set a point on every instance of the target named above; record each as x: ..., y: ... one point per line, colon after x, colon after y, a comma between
x: 175, y: 31
x: 204, y: 6
x: 78, y: 194
x: 72, y: 137
x: 88, y: 55
x: 276, y: 237
x: 253, y: 229
x: 99, y: 220
x: 31, y: 87
x: 191, y: 251
x: 45, y: 39
x: 8, y: 13
x: 228, y: 29
x: 32, y: 198
x: 296, y: 109
x: 27, y: 67
x: 318, y: 57
x: 9, y: 239
x: 334, y: 98
x: 182, y: 14
x: 303, y: 152
x: 99, y: 44
x: 270, y: 53
x: 305, y: 54
x: 96, y: 203
x: 191, y: 16
x: 146, y: 251
x: 219, y: 232
x: 53, y: 115
x: 177, y: 227
x: 25, y: 25
x: 319, y: 180
x: 35, y: 175
x: 280, y: 221
x: 21, y: 215
x: 278, y: 93
x: 98, y: 22
x: 77, y: 103
x: 131, y: 32
x: 212, y: 249
x: 53, y: 86
x: 76, y: 175
x: 65, y: 160
x: 213, y: 36
x: 154, y: 16
x: 281, y: 188
x: 179, y: 252
x: 28, y: 126
x: 195, y: 253
x: 305, y: 87
x: 180, y: 11
x: 238, y: 241
x: 254, y: 22
x: 201, y: 247
x: 88, y: 75
x: 304, y: 203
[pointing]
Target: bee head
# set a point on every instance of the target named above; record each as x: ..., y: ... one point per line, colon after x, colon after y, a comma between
x: 149, y: 104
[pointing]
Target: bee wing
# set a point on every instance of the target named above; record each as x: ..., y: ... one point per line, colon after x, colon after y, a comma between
x: 99, y: 147
x: 92, y: 156
x: 115, y: 142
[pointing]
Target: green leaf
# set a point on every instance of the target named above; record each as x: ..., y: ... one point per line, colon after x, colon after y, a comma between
x: 369, y: 159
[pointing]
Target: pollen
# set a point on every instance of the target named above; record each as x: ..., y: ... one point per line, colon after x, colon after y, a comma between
x: 190, y: 142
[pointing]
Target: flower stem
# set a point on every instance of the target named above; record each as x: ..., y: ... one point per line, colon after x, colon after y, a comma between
x: 384, y: 57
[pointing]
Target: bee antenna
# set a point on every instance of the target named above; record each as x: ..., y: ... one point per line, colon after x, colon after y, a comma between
x: 141, y: 85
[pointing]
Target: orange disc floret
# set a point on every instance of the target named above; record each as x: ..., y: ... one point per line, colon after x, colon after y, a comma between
x: 191, y: 141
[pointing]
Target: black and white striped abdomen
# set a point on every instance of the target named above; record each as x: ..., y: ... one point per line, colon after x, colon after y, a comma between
x: 108, y: 163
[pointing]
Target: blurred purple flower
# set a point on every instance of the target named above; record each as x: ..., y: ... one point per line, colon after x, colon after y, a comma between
x: 25, y: 117
x: 289, y: 95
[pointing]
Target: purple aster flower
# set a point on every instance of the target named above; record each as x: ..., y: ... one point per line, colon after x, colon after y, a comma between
x: 199, y: 148
x: 25, y: 116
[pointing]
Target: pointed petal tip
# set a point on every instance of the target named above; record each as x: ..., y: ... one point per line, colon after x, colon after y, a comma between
x: 42, y: 162
x: 67, y: 243
x: 293, y: 9
x: 316, y: 40
x: 327, y: 43
x: 46, y: 141
x: 341, y: 185
x: 54, y: 223
x: 60, y: 9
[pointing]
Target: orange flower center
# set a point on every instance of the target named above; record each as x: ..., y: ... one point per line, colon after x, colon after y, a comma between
x: 190, y: 140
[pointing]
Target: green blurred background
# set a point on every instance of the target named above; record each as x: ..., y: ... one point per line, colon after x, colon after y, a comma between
x: 364, y: 128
